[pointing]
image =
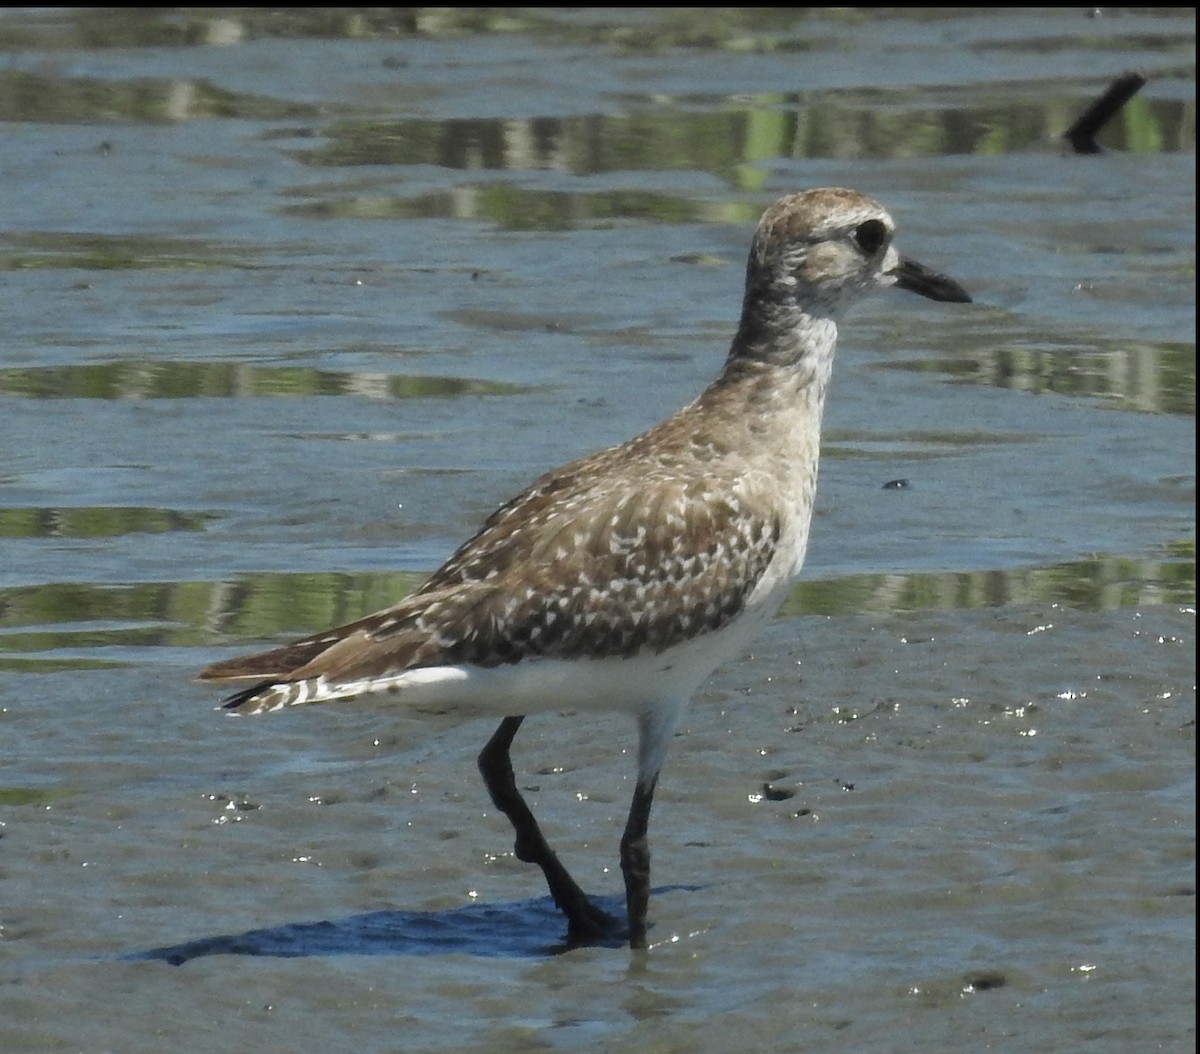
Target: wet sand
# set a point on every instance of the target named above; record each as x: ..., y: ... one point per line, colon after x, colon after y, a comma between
x: 874, y: 831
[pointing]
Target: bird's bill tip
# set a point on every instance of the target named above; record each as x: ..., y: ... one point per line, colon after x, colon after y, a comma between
x: 919, y: 279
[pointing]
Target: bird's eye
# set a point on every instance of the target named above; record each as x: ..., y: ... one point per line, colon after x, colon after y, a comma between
x: 871, y: 236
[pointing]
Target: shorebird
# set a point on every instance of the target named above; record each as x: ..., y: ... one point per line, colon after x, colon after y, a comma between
x: 623, y: 579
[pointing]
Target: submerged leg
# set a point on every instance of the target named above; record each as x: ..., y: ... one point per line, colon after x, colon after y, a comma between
x: 635, y: 862
x: 585, y: 921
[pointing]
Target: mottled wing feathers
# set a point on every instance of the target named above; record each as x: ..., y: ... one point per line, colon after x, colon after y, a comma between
x: 636, y: 569
x: 567, y: 569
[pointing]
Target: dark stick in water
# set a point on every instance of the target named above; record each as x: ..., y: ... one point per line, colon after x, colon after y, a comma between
x: 1082, y: 134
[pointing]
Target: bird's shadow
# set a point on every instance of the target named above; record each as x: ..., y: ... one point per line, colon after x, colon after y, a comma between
x: 520, y: 929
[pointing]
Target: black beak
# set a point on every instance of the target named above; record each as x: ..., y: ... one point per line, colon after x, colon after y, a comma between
x: 917, y: 278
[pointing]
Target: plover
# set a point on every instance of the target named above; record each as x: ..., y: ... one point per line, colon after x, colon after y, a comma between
x: 620, y: 581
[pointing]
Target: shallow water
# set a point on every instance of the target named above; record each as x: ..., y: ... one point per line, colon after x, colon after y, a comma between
x: 293, y: 299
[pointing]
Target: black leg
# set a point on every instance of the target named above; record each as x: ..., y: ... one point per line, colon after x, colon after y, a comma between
x: 635, y: 862
x: 586, y: 923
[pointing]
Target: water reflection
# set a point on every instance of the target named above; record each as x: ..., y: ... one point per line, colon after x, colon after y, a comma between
x: 22, y: 250
x: 753, y: 30
x: 96, y: 522
x: 1104, y: 583
x: 723, y: 136
x: 264, y: 605
x: 1157, y: 378
x: 47, y: 99
x: 36, y: 622
x: 521, y: 208
x: 131, y: 379
x: 715, y: 134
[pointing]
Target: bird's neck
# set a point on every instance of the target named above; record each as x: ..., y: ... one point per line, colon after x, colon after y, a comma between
x: 765, y: 405
x: 780, y: 354
x: 769, y: 397
x: 774, y: 329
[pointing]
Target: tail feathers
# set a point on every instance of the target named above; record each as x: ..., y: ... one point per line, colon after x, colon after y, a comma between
x: 246, y: 697
x: 267, y: 696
